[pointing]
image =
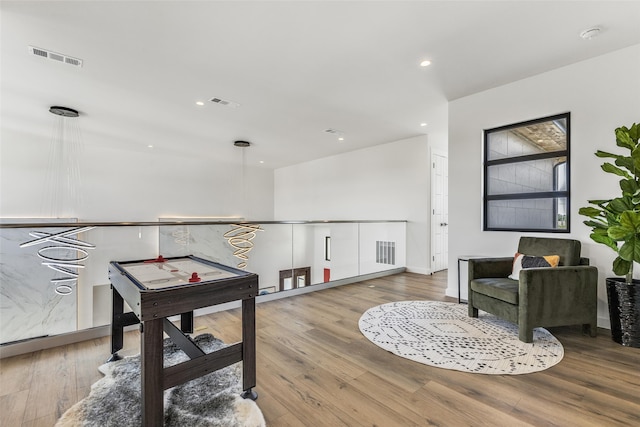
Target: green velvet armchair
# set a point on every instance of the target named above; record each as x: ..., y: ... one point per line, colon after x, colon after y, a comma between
x: 542, y: 297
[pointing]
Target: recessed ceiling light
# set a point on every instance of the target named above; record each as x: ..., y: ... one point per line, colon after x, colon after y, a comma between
x: 341, y: 139
x: 425, y: 63
x: 423, y: 124
x: 199, y: 103
x: 261, y: 161
x: 149, y: 146
x: 331, y: 130
x: 590, y: 33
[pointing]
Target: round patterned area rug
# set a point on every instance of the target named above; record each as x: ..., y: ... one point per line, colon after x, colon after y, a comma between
x: 442, y: 334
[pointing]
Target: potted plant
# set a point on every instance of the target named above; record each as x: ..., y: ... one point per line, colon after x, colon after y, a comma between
x: 616, y: 224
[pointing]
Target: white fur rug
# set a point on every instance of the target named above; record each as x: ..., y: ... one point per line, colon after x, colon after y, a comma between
x: 211, y: 400
x: 443, y: 335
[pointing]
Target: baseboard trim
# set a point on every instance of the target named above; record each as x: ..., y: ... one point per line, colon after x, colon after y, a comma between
x: 36, y: 344
x: 301, y: 291
x: 30, y: 345
x: 604, y: 323
x: 423, y: 271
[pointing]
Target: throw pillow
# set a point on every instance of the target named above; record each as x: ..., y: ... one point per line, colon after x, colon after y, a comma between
x: 521, y: 261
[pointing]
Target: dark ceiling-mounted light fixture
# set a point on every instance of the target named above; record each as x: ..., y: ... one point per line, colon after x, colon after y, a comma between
x: 242, y: 143
x: 63, y: 111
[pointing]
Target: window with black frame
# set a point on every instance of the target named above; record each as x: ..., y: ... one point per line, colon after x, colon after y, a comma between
x: 526, y: 176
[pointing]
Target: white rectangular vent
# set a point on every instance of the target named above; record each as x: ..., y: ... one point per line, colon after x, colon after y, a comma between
x: 73, y: 61
x: 224, y: 102
x: 43, y: 53
x: 39, y: 52
x: 385, y: 252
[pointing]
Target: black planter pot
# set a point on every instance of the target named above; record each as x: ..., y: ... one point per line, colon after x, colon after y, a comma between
x: 624, y: 311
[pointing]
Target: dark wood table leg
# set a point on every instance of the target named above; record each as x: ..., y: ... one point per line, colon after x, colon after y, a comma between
x: 186, y: 322
x: 117, y: 335
x: 249, y: 348
x: 152, y: 373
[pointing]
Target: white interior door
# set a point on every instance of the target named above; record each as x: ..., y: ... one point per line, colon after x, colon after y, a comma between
x: 440, y: 211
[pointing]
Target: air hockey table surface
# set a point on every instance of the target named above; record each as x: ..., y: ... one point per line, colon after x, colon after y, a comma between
x: 165, y: 273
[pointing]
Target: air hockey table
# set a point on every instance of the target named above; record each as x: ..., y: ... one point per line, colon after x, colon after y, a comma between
x: 165, y: 287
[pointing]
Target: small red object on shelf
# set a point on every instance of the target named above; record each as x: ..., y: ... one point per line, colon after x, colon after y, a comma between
x: 159, y: 259
x: 194, y: 278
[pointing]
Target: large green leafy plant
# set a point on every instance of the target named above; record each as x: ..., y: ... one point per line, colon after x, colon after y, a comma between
x: 616, y: 222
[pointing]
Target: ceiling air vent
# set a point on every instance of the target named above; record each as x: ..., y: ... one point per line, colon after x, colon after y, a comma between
x: 334, y: 131
x: 39, y: 52
x: 55, y: 56
x: 73, y: 61
x: 224, y: 102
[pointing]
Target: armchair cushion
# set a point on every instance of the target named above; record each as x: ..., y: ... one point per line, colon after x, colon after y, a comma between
x: 501, y: 288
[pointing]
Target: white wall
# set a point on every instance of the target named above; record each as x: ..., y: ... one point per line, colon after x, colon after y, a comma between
x: 601, y: 94
x: 386, y: 182
x: 122, y: 182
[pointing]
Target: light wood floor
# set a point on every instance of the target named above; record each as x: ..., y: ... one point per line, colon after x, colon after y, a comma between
x: 316, y: 369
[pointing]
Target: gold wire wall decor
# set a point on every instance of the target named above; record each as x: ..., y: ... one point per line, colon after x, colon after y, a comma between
x: 182, y: 236
x: 241, y: 235
x: 240, y: 238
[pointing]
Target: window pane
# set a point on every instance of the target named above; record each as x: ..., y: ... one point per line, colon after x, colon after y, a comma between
x: 528, y: 214
x: 561, y: 176
x: 537, y: 138
x: 561, y: 213
x: 524, y: 177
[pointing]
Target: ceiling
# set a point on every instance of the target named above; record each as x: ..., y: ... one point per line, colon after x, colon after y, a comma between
x: 297, y: 68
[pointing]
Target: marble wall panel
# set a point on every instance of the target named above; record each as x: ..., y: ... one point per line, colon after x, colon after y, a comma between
x: 29, y: 305
x: 205, y: 241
